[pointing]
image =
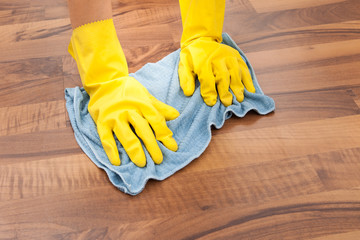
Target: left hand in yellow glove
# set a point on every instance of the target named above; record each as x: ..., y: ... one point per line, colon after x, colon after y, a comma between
x: 118, y: 101
x: 217, y: 66
x: 124, y: 102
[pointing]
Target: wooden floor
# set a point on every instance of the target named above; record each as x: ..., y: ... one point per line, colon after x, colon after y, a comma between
x: 294, y: 174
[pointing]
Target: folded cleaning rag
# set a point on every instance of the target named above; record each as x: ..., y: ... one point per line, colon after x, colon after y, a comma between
x: 192, y: 129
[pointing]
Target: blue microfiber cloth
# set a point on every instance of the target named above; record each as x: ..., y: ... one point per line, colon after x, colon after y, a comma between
x: 192, y: 129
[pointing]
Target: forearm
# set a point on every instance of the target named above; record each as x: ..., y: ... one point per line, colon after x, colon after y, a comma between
x: 95, y: 45
x: 87, y: 11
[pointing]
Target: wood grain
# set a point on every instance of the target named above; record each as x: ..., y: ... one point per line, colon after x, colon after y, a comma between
x: 32, y: 118
x: 32, y: 91
x: 249, y: 23
x: 38, y: 178
x: 349, y: 235
x: 267, y: 6
x: 294, y: 37
x: 293, y: 174
x: 309, y: 55
x: 356, y: 95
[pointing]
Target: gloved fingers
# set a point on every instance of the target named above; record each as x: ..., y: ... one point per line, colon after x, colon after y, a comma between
x: 168, y: 141
x: 222, y: 79
x: 130, y: 143
x: 144, y: 131
x: 186, y: 75
x: 207, y: 85
x: 161, y: 130
x: 235, y: 79
x: 109, y: 145
x: 167, y: 111
x: 246, y: 76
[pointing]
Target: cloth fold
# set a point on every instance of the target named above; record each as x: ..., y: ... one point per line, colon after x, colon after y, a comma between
x: 192, y: 129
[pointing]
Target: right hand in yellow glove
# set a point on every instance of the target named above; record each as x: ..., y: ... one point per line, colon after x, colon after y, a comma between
x: 217, y: 66
x: 118, y: 101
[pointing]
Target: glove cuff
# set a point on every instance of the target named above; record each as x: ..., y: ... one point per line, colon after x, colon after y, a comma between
x: 201, y: 19
x: 98, y: 54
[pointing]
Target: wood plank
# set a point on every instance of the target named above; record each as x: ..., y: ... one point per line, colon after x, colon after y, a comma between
x: 21, y: 14
x: 289, y: 219
x: 248, y: 23
x: 55, y: 35
x: 54, y: 29
x: 39, y: 10
x: 247, y: 183
x: 306, y: 78
x: 252, y: 137
x: 237, y: 185
x: 294, y: 37
x: 39, y: 48
x: 296, y: 107
x: 348, y: 236
x: 338, y: 170
x: 144, y: 36
x: 30, y: 118
x: 279, y: 142
x: 19, y: 71
x: 38, y: 145
x: 8, y: 4
x: 36, y: 178
x: 45, y: 2
x: 14, y: 4
x: 304, y: 217
x: 35, y: 30
x: 279, y: 5
x: 154, y: 12
x: 240, y: 6
x: 35, y: 39
x: 17, y: 11
x: 31, y: 91
x: 32, y: 231
x: 57, y: 11
x: 140, y: 46
x: 304, y: 54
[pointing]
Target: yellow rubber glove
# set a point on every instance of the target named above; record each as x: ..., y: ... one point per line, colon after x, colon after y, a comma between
x: 118, y: 101
x: 217, y: 66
